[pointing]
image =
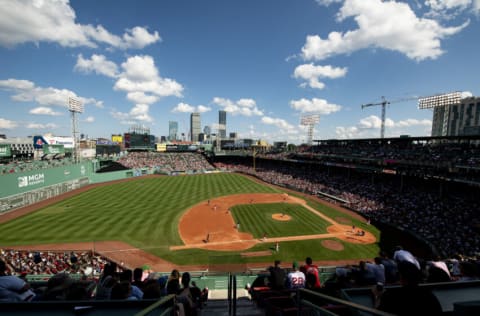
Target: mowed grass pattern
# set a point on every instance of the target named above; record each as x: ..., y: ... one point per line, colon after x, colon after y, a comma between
x: 144, y: 212
x: 257, y: 220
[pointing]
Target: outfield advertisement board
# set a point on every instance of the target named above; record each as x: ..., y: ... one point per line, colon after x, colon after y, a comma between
x: 53, y: 149
x: 40, y: 140
x: 16, y: 183
x: 5, y: 150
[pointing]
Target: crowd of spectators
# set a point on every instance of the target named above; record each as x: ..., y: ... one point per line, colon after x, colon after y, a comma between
x: 166, y: 162
x: 449, y: 153
x: 84, y: 263
x: 105, y: 280
x: 450, y: 223
x: 29, y: 165
x: 113, y: 282
x: 453, y: 160
x: 379, y: 275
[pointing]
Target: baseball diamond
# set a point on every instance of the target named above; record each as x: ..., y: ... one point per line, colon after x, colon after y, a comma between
x: 170, y: 217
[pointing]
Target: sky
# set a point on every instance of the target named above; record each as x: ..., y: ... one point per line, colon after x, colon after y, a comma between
x: 267, y: 63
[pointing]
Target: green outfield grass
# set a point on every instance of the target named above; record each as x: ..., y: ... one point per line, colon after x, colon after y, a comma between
x: 144, y: 212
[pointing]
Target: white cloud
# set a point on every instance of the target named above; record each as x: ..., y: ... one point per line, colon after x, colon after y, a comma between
x: 7, y: 124
x: 389, y: 25
x: 203, y: 109
x: 89, y: 119
x: 43, y: 110
x: 280, y: 123
x: 369, y: 126
x: 54, y: 21
x: 448, y: 4
x: 314, y: 105
x: 476, y: 7
x: 413, y: 122
x: 449, y: 9
x: 140, y: 112
x: 183, y: 108
x: 187, y: 108
x: 26, y: 91
x: 245, y: 107
x: 142, y: 97
x: 372, y: 121
x: 327, y: 2
x: 346, y: 132
x: 138, y: 77
x: 139, y: 37
x: 41, y: 126
x: 141, y: 75
x: 97, y: 64
x: 312, y: 73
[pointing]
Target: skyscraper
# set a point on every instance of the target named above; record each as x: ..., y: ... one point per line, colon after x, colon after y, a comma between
x: 172, y: 130
x: 195, y: 126
x: 222, y: 124
x: 207, y: 131
x: 457, y: 119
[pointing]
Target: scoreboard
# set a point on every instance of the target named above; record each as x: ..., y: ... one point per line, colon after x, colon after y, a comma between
x: 139, y: 141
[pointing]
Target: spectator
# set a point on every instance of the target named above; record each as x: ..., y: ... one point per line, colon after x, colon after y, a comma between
x: 310, y: 268
x: 378, y: 270
x: 404, y: 255
x: 127, y: 276
x: 152, y: 289
x: 409, y: 299
x: 468, y: 271
x: 295, y: 278
x: 363, y: 275
x: 12, y: 288
x: 173, y: 283
x: 138, y: 278
x: 106, y: 282
x: 186, y: 297
x: 391, y: 270
x: 277, y: 276
x: 122, y: 291
x: 58, y: 287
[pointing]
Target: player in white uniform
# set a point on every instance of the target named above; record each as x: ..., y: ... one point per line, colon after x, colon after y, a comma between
x: 295, y: 278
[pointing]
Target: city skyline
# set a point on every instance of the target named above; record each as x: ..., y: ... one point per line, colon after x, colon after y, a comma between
x: 265, y: 63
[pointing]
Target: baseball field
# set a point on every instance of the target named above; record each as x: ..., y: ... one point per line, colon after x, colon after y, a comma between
x: 195, y: 220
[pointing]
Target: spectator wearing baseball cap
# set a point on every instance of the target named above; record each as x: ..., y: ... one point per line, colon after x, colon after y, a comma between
x: 295, y: 278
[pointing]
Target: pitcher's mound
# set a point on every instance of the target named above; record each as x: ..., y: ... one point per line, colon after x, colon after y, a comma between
x: 281, y: 217
x: 332, y: 245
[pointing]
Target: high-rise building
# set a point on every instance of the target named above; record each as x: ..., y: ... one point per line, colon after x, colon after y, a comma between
x: 195, y: 126
x: 207, y: 131
x: 222, y: 124
x: 460, y: 119
x: 172, y: 130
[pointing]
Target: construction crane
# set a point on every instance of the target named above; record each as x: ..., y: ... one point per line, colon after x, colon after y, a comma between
x: 384, y: 105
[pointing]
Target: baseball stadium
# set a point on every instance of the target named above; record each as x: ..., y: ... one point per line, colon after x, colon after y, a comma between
x: 231, y: 217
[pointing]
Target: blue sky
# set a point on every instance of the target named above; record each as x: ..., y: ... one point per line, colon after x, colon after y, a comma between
x: 267, y: 63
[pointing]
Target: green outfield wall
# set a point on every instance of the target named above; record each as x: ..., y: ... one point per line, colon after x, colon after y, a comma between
x: 24, y: 188
x: 21, y: 182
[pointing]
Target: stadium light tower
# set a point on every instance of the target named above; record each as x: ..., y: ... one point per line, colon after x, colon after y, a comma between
x: 440, y: 100
x: 310, y: 121
x: 442, y: 116
x: 75, y: 106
